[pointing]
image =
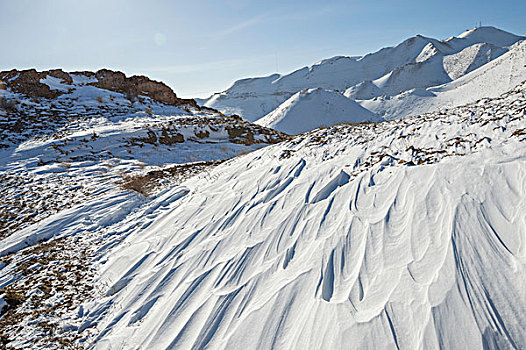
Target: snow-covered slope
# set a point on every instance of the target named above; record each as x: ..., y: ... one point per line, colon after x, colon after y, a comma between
x: 87, y: 138
x: 78, y: 154
x: 312, y: 108
x: 363, y: 91
x: 416, y: 75
x: 490, y: 80
x: 404, y: 234
x: 470, y: 58
x: 418, y: 62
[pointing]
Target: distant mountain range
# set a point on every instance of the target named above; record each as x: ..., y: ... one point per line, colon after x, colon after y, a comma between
x: 415, y: 76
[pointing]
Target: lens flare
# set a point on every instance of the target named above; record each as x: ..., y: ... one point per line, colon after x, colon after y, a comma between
x: 160, y: 39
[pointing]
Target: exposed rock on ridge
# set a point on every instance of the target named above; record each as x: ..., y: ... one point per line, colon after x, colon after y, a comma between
x: 138, y: 85
x: 28, y: 82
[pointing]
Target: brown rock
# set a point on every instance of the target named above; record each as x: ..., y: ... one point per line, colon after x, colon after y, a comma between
x: 169, y: 138
x: 138, y: 85
x: 60, y: 74
x: 27, y: 82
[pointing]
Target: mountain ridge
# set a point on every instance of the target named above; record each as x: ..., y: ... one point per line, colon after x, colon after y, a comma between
x: 416, y: 63
x: 29, y: 82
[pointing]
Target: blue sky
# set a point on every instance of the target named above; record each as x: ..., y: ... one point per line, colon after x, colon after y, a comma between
x: 199, y: 47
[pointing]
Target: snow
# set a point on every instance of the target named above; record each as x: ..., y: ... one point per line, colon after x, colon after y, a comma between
x: 470, y: 58
x: 405, y: 234
x: 54, y: 83
x: 2, y: 303
x: 248, y: 105
x: 411, y: 76
x: 312, y: 108
x: 417, y: 63
x: 107, y: 209
x: 489, y: 80
x: 363, y: 91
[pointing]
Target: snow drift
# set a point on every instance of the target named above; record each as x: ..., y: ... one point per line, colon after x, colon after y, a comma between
x: 407, y: 234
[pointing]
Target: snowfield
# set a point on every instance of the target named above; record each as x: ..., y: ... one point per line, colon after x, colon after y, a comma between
x: 407, y: 234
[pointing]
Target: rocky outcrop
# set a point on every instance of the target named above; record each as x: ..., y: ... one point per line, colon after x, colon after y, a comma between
x: 27, y: 82
x: 60, y: 74
x: 138, y: 85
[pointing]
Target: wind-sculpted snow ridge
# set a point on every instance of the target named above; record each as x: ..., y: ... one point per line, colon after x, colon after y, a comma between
x: 416, y: 63
x: 74, y: 160
x: 404, y: 234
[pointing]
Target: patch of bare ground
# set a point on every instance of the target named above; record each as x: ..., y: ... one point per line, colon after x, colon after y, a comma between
x: 151, y: 181
x: 49, y: 280
x: 25, y: 199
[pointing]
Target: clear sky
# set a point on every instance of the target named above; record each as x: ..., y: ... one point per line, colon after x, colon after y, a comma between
x: 199, y: 47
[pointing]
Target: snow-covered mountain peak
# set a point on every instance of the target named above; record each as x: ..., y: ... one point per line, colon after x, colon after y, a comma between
x: 416, y: 63
x: 490, y: 35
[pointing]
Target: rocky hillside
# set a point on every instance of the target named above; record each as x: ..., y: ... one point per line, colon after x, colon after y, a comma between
x: 37, y: 84
x: 71, y: 139
x: 55, y: 125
